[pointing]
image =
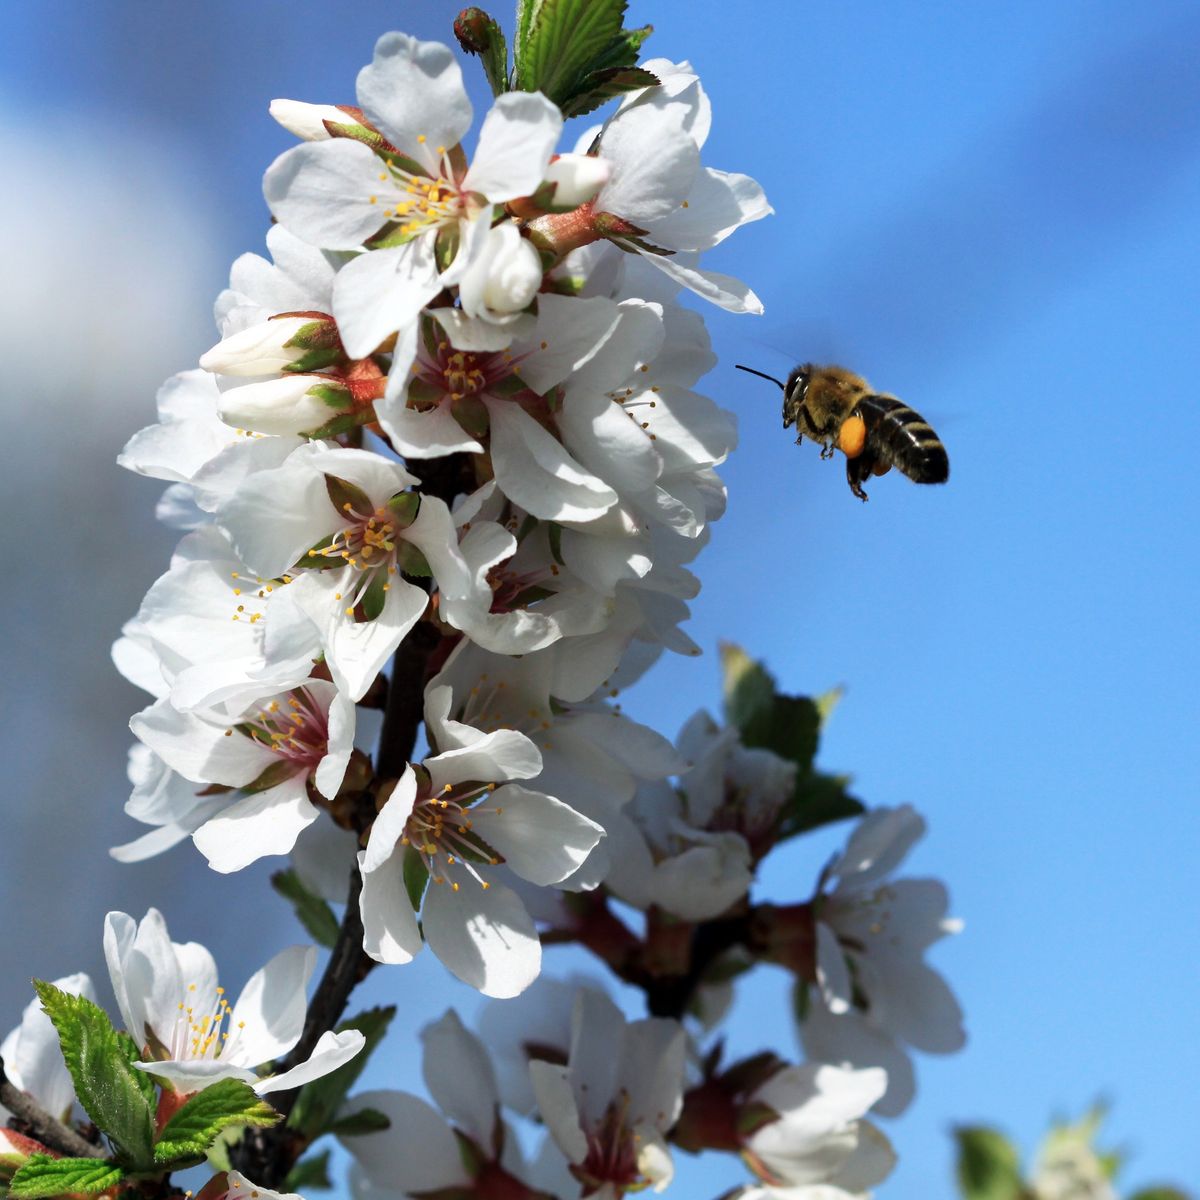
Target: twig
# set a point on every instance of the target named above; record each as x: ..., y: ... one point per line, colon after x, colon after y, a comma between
x: 40, y: 1125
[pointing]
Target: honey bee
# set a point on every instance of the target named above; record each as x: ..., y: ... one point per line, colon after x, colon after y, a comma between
x: 838, y: 410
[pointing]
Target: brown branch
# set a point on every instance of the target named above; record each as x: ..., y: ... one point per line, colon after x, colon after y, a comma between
x: 34, y: 1122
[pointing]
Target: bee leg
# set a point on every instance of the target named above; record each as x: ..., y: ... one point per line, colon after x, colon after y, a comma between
x: 858, y: 469
x: 827, y: 451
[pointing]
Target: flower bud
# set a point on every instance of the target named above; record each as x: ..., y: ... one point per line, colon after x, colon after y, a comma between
x: 578, y: 178
x: 261, y: 349
x: 507, y: 275
x: 289, y: 405
x: 307, y: 121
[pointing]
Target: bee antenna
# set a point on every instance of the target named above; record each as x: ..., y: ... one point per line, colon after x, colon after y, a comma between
x: 761, y: 375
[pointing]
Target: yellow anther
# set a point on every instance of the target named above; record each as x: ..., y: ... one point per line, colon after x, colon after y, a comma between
x: 421, y: 138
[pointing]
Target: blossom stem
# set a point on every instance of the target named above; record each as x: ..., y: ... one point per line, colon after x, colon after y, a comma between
x: 38, y: 1124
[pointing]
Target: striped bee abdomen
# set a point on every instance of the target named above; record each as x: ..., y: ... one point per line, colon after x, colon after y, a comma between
x: 900, y: 437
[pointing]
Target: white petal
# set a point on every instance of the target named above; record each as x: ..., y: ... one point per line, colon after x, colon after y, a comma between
x: 199, y: 750
x: 389, y: 822
x: 540, y: 837
x: 535, y: 471
x: 417, y: 1153
x: 572, y: 329
x: 722, y: 290
x: 331, y: 1051
x: 194, y: 1075
x: 651, y: 1071
x: 458, y: 1073
x: 515, y: 143
x: 552, y: 1087
x: 704, y: 881
x: 428, y: 434
x: 321, y: 192
x: 833, y: 975
x: 504, y: 754
x: 484, y: 937
x: 654, y: 162
x: 307, y: 121
x: 390, y: 931
x: 878, y: 845
x: 413, y: 92
x: 718, y: 204
x: 267, y: 822
x: 382, y: 291
x: 272, y: 1006
x: 432, y: 532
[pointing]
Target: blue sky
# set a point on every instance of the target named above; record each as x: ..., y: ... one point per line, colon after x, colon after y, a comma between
x: 987, y: 209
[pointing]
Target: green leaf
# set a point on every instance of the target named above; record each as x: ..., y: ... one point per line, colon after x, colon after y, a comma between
x: 564, y: 39
x: 1160, y: 1193
x: 105, y: 1082
x: 319, y: 1101
x: 313, y: 913
x: 480, y: 34
x: 365, y: 1120
x: 309, y: 1173
x: 819, y: 800
x: 46, y: 1176
x: 747, y: 686
x: 190, y: 1132
x: 623, y: 50
x: 601, y: 86
x: 988, y: 1165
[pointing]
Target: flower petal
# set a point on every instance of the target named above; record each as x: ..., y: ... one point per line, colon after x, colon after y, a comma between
x: 515, y: 143
x: 267, y: 822
x: 382, y: 291
x: 483, y: 936
x: 390, y: 930
x: 272, y: 1006
x: 458, y: 1073
x: 331, y: 1051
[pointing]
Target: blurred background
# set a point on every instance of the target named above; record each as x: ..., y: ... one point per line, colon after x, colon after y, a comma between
x: 989, y: 210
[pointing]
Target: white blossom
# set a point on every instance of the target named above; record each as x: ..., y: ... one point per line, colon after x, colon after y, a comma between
x: 875, y: 995
x: 189, y: 1033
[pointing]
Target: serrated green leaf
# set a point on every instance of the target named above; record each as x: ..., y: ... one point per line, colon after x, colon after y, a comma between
x: 365, y: 1120
x: 747, y: 687
x: 564, y: 38
x: 141, y: 1080
x: 623, y: 50
x: 312, y: 912
x: 190, y: 1132
x: 319, y: 1101
x: 601, y: 86
x: 481, y: 34
x: 100, y: 1069
x: 308, y: 1174
x: 819, y: 800
x: 46, y: 1176
x: 989, y: 1166
x: 1160, y: 1193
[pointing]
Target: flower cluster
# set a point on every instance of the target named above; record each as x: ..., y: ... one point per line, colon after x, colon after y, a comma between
x: 439, y: 484
x: 458, y: 396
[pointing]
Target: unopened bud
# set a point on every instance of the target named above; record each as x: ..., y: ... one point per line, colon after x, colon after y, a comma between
x: 289, y: 405
x: 261, y: 349
x: 307, y: 121
x: 506, y: 276
x: 578, y: 178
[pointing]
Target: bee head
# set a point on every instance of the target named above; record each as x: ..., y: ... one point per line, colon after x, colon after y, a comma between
x: 794, y: 393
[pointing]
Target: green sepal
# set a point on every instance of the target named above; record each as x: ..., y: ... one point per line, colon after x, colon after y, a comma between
x: 393, y: 235
x: 104, y: 1078
x: 472, y: 415
x: 554, y: 534
x: 404, y: 506
x: 412, y: 562
x: 480, y: 34
x: 346, y: 496
x: 356, y: 132
x: 314, y: 360
x: 445, y: 245
x: 337, y: 398
x: 365, y: 1120
x: 312, y: 912
x: 309, y: 1173
x: 988, y: 1165
x: 375, y: 597
x: 206, y: 1115
x: 271, y: 776
x: 343, y: 423
x: 318, y: 1103
x: 416, y: 876
x: 601, y: 86
x: 43, y: 1175
x: 318, y: 334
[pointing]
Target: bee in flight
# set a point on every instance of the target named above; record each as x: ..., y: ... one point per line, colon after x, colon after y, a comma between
x: 837, y: 409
